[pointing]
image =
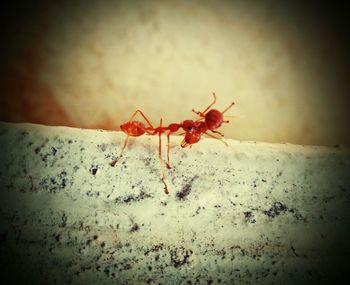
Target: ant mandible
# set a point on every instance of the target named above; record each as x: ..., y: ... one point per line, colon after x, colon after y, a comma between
x: 209, y: 120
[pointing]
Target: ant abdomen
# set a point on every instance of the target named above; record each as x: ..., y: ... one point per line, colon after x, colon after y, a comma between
x: 133, y: 128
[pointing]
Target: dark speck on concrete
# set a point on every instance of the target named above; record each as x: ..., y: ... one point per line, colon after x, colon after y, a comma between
x: 296, y: 214
x: 186, y: 189
x: 93, y: 169
x: 52, y: 184
x: 133, y: 198
x: 197, y: 211
x: 53, y: 150
x: 249, y: 217
x: 276, y: 209
x: 134, y: 228
x: 102, y: 147
x: 154, y: 248
x: 24, y: 133
x: 293, y: 249
x: 64, y: 219
x: 180, y: 256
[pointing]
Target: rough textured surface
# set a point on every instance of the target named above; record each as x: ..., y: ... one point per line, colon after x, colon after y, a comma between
x: 247, y: 213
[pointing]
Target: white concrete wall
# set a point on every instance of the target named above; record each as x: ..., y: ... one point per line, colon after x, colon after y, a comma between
x: 250, y: 213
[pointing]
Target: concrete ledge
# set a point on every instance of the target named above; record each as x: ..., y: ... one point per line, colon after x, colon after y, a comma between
x: 247, y: 213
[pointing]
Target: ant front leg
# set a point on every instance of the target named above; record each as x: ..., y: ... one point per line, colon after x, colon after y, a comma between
x: 217, y: 132
x: 214, y: 137
x: 200, y: 114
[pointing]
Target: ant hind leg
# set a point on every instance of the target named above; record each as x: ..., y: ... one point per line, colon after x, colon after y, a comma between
x: 160, y: 158
x: 143, y: 115
x: 168, y: 150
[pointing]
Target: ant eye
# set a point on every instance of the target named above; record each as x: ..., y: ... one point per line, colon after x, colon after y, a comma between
x: 188, y: 125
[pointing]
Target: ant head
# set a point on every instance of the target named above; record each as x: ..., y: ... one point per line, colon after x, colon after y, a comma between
x: 191, y: 138
x: 188, y: 125
x: 213, y: 119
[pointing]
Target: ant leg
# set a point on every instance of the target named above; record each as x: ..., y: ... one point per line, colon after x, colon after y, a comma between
x: 143, y: 115
x: 202, y: 114
x: 198, y: 113
x: 214, y: 137
x: 217, y: 132
x: 214, y: 101
x: 160, y: 158
x: 200, y: 119
x: 168, y: 151
x: 121, y: 153
x: 228, y: 107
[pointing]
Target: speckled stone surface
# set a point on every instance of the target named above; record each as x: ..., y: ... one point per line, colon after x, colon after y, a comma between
x: 250, y: 213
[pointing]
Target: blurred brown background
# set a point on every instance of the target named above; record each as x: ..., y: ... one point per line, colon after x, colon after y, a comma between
x: 90, y: 64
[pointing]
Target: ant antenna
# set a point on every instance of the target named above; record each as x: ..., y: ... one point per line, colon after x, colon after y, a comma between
x: 228, y: 107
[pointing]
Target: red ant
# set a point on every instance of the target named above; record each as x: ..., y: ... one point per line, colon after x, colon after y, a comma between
x: 210, y: 120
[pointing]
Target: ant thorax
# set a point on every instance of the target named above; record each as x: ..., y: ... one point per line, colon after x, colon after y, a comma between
x: 201, y: 127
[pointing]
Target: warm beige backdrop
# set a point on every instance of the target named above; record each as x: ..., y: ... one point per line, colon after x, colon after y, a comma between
x: 91, y: 65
